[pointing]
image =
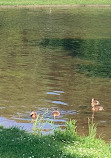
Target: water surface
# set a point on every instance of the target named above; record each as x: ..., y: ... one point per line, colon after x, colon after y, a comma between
x: 55, y: 58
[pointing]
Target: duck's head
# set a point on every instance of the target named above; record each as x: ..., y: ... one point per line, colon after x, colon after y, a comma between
x: 33, y: 114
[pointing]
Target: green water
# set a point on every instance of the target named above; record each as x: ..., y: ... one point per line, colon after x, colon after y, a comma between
x: 55, y: 58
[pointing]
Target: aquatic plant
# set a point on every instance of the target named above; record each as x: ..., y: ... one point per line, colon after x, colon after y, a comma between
x: 39, y: 123
x: 69, y: 134
x: 92, y: 129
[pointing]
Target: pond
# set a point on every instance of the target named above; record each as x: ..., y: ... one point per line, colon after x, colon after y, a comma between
x: 55, y: 58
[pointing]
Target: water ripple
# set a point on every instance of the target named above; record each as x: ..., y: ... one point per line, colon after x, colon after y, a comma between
x: 59, y: 102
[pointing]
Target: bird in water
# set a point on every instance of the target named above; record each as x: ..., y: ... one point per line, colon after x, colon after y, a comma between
x: 56, y: 113
x: 33, y: 115
x: 94, y: 102
x: 97, y: 108
x: 96, y: 105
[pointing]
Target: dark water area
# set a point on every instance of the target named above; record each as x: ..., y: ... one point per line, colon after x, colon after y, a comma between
x: 55, y: 58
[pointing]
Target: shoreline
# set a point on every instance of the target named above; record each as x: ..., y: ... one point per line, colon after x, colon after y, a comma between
x: 48, y: 6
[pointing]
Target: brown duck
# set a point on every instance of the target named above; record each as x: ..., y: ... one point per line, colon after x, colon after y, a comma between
x: 33, y: 115
x: 96, y: 105
x: 56, y: 113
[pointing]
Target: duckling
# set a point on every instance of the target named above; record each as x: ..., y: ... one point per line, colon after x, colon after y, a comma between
x: 55, y: 113
x: 96, y: 105
x: 97, y: 108
x: 33, y: 115
x: 94, y: 102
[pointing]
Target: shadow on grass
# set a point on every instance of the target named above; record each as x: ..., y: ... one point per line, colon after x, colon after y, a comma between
x: 15, y: 143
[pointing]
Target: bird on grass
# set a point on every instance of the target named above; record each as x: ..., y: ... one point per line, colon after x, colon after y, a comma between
x: 56, y: 113
x: 96, y: 105
x: 33, y: 115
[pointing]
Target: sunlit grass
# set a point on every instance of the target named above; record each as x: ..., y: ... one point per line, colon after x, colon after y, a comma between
x: 63, y: 144
x: 53, y: 2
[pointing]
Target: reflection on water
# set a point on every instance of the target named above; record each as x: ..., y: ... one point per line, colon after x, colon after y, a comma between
x: 58, y: 60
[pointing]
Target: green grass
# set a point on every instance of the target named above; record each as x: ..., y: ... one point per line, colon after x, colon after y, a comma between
x: 16, y: 143
x: 53, y: 2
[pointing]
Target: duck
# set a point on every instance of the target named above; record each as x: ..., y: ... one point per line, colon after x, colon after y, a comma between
x: 97, y: 108
x: 56, y: 113
x: 94, y: 102
x: 96, y: 105
x: 33, y: 115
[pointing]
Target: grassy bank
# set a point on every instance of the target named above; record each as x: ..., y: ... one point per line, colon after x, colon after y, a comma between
x: 54, y: 2
x: 19, y: 144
